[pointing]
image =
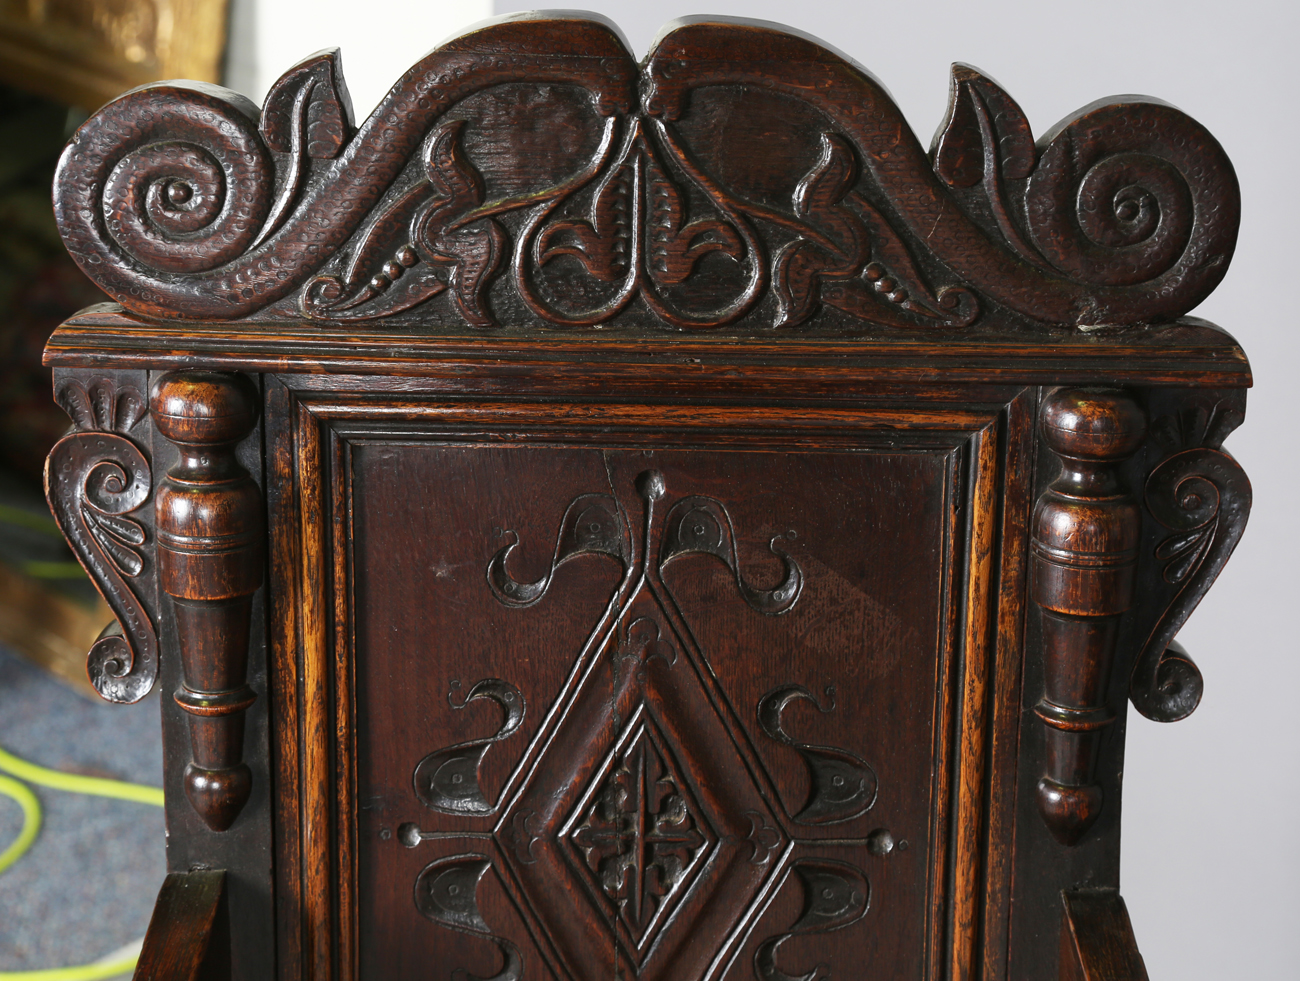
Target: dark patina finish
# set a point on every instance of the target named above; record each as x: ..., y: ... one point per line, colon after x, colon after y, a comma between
x: 599, y: 520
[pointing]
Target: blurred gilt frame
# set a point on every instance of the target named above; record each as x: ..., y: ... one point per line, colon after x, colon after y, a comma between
x: 85, y: 52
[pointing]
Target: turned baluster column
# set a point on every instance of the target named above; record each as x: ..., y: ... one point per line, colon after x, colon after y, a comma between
x: 1085, y: 543
x: 209, y: 521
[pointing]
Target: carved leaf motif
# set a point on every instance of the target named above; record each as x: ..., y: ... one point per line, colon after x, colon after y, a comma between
x: 603, y: 241
x: 977, y: 108
x: 446, y: 892
x: 309, y: 105
x: 801, y: 264
x: 441, y: 234
x: 701, y: 524
x: 447, y: 780
x: 592, y: 524
x: 307, y: 115
x: 828, y: 262
x: 101, y: 406
x: 674, y: 250
x: 118, y: 537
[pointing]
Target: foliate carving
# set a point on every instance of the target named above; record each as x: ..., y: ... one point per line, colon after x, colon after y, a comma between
x: 595, y: 524
x: 448, y: 779
x: 95, y: 478
x: 446, y: 892
x: 841, y: 786
x: 638, y: 816
x: 1085, y: 542
x: 835, y: 895
x: 180, y: 201
x: 592, y: 524
x: 639, y: 830
x: 1202, y: 496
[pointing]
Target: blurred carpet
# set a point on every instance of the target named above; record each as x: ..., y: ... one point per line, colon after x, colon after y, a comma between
x: 87, y: 886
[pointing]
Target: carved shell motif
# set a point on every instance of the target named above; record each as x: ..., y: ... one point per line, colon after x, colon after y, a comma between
x: 183, y: 201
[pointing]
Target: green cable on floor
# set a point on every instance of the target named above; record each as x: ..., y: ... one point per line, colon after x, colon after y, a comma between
x: 74, y: 784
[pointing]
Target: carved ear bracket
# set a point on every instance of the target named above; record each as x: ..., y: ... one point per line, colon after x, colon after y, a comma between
x: 95, y: 478
x: 181, y: 202
x: 1086, y: 531
x: 1202, y: 497
x: 208, y: 513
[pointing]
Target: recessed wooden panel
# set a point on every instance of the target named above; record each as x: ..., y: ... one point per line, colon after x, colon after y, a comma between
x: 658, y: 714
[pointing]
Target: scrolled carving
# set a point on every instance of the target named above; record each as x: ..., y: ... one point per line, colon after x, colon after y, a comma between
x: 1125, y: 214
x: 593, y: 524
x: 835, y: 895
x: 173, y: 179
x: 94, y: 479
x: 702, y: 525
x: 1116, y: 183
x: 842, y: 786
x: 447, y: 780
x: 446, y: 892
x: 981, y: 252
x: 1203, y: 497
x: 192, y: 192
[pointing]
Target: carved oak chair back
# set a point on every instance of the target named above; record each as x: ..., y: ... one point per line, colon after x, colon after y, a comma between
x: 651, y: 521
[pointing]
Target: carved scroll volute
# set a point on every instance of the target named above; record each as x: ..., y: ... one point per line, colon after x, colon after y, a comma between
x: 95, y: 478
x: 210, y: 561
x: 1202, y: 496
x: 1085, y: 542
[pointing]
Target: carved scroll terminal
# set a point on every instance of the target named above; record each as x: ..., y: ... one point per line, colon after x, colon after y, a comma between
x: 180, y: 202
x: 1202, y: 496
x: 95, y: 478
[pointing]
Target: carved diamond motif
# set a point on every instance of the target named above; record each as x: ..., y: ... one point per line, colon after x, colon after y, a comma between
x: 641, y: 816
x: 638, y: 830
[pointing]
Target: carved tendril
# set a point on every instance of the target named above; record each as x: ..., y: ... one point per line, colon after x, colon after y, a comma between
x: 1204, y: 497
x: 1125, y: 214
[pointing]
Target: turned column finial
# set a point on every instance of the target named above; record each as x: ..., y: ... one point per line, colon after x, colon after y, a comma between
x: 1085, y: 543
x: 208, y: 513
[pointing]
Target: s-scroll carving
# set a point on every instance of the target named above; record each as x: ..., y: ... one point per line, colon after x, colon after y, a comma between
x: 843, y: 786
x: 593, y: 524
x: 447, y: 780
x: 835, y: 896
x: 95, y: 477
x: 446, y: 892
x: 180, y: 201
x: 1203, y: 497
x: 701, y: 524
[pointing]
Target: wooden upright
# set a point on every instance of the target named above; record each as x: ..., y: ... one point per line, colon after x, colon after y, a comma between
x: 650, y: 522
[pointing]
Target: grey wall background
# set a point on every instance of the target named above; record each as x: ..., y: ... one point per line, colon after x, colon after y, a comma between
x: 1211, y: 850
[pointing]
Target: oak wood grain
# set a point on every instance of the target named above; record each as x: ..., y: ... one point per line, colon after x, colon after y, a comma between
x: 188, y: 937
